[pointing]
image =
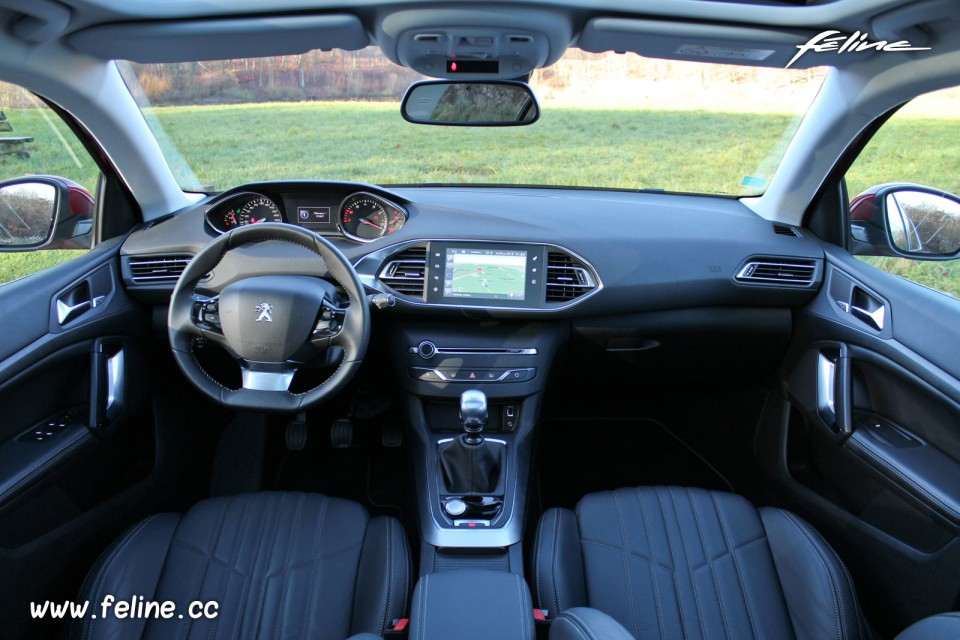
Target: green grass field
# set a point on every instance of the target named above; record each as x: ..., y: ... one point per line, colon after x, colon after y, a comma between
x: 672, y: 150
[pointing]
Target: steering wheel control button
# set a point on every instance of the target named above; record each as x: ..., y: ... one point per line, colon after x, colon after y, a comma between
x: 455, y: 507
x: 426, y: 349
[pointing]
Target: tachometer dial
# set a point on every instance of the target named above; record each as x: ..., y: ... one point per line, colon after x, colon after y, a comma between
x: 363, y: 217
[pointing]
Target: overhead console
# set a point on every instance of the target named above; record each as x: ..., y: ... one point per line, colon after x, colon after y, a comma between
x: 482, y: 275
x: 497, y: 45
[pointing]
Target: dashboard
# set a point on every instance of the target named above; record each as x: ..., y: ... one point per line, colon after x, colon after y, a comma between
x: 360, y: 216
x: 502, y: 251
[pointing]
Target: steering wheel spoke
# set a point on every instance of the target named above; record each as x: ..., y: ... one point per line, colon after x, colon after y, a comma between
x: 258, y: 377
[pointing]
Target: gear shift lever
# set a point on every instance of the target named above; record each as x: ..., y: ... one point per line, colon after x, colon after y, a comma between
x: 470, y: 465
x: 473, y: 414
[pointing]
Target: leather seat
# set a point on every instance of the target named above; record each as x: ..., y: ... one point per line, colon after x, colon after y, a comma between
x: 670, y: 562
x: 278, y: 565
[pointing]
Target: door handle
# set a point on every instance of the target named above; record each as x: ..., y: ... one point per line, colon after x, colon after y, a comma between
x: 67, y: 312
x: 873, y: 318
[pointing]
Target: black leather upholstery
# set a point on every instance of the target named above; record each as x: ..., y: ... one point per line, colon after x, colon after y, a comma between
x: 472, y: 604
x: 288, y: 565
x: 945, y: 626
x: 584, y: 623
x: 669, y: 562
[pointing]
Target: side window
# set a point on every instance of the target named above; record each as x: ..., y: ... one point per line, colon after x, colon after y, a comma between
x: 904, y: 188
x: 48, y: 183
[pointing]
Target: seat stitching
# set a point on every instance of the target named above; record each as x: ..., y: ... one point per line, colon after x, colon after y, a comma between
x: 676, y: 584
x: 833, y: 586
x: 270, y: 547
x: 553, y: 561
x: 729, y: 551
x: 313, y: 572
x: 853, y: 596
x: 523, y: 618
x: 626, y: 568
x: 632, y: 554
x: 107, y: 565
x: 713, y: 573
x: 426, y: 586
x: 203, y: 574
x: 234, y: 562
x: 290, y: 547
x: 653, y: 572
x: 388, y: 579
x: 686, y: 558
x: 537, y: 551
x: 406, y: 571
x: 581, y: 626
x: 736, y: 565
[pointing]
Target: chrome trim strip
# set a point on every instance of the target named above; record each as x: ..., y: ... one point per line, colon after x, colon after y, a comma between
x: 266, y: 380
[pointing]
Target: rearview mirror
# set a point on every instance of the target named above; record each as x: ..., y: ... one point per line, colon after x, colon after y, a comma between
x: 470, y: 104
x: 906, y: 220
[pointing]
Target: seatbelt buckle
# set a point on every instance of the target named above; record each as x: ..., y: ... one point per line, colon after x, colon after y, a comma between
x: 398, y: 628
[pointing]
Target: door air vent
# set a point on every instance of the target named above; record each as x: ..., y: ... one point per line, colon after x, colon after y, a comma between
x: 567, y: 278
x: 157, y: 269
x: 785, y: 230
x: 788, y: 271
x: 405, y: 272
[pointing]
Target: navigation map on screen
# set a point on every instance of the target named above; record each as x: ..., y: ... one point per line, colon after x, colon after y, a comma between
x: 490, y: 274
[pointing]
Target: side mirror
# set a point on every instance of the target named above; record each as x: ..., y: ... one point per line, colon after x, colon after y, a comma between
x: 470, y: 104
x: 906, y: 220
x: 44, y: 212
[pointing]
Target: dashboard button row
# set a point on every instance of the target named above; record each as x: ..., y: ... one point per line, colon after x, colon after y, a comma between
x: 472, y: 375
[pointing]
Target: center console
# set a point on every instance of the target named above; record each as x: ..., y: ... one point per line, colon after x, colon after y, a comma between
x: 473, y: 393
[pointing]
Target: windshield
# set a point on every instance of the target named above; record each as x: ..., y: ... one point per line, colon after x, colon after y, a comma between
x: 608, y: 121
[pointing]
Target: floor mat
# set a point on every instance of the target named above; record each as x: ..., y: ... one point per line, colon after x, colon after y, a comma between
x: 367, y: 472
x: 578, y: 457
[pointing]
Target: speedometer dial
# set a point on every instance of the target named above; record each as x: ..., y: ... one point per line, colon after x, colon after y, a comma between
x: 261, y: 209
x: 364, y: 217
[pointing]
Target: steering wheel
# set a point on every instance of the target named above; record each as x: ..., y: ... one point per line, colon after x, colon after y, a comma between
x: 271, y: 324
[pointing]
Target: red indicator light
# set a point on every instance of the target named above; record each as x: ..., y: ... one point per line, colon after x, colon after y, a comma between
x: 453, y: 66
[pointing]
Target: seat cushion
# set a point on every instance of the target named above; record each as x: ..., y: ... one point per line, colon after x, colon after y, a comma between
x: 278, y: 565
x: 670, y: 562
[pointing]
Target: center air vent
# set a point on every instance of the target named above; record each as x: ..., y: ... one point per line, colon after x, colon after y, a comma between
x: 787, y: 271
x: 567, y: 278
x: 405, y: 272
x: 157, y: 269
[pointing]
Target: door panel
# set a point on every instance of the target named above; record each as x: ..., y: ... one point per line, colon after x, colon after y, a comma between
x: 865, y: 441
x: 77, y: 442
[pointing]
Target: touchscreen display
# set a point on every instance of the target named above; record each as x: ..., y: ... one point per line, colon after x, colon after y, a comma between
x: 485, y: 274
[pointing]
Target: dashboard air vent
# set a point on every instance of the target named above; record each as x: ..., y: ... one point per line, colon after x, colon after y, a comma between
x: 405, y: 272
x: 785, y: 230
x: 779, y: 271
x: 157, y: 269
x: 567, y: 278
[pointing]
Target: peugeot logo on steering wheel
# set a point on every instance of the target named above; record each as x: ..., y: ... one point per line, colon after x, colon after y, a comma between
x: 265, y: 309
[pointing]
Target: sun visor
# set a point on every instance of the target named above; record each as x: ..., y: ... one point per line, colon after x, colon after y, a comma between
x: 222, y: 39
x: 721, y: 44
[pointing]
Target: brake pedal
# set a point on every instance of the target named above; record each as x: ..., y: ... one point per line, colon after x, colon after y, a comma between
x: 296, y: 433
x: 341, y: 433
